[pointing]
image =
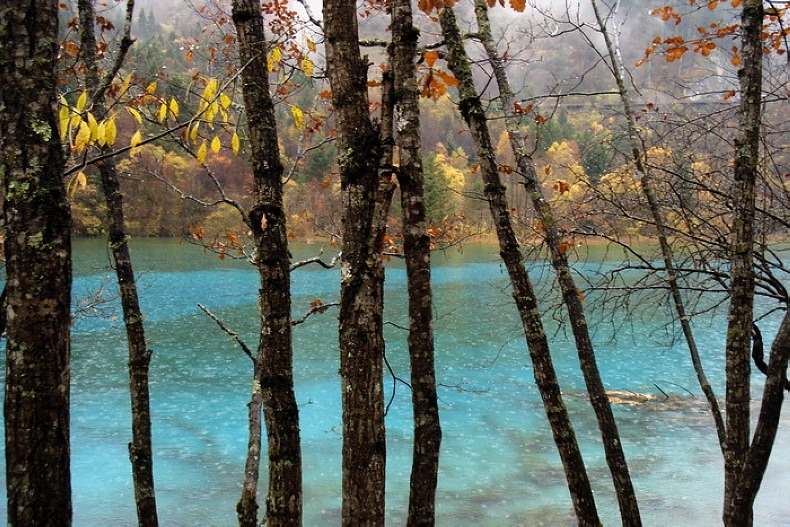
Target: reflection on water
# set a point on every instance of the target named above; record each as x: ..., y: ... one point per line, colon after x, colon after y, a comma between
x: 499, y: 465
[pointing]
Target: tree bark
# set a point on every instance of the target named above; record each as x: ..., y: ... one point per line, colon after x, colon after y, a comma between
x: 38, y: 266
x: 751, y: 477
x: 140, y: 448
x: 523, y: 292
x: 417, y: 252
x: 739, y: 327
x: 638, y: 156
x: 362, y: 274
x: 274, y: 361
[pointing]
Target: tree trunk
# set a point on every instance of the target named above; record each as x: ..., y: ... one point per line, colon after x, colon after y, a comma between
x: 140, y: 449
x: 751, y: 477
x: 362, y: 274
x: 637, y: 153
x: 523, y: 292
x: 417, y: 251
x: 739, y: 327
x: 38, y: 266
x: 274, y: 361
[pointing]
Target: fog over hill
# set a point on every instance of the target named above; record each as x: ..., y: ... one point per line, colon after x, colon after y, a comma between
x: 547, y: 56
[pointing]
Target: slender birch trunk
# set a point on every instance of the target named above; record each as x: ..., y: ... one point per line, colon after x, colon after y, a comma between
x: 647, y: 185
x: 140, y: 448
x: 615, y: 457
x: 739, y: 327
x: 523, y: 292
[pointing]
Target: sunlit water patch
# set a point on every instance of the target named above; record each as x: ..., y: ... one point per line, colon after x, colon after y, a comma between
x: 499, y: 465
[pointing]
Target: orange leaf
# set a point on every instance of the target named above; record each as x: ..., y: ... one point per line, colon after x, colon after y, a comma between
x: 561, y: 186
x: 518, y: 5
x: 448, y: 79
x: 430, y: 58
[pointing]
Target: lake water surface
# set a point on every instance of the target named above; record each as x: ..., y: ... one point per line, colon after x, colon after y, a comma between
x: 499, y: 465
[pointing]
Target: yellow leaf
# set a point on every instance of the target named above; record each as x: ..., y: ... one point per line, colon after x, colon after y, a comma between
x: 136, y: 115
x: 82, y: 101
x: 101, y: 133
x: 202, y: 151
x: 77, y: 181
x: 216, y: 144
x: 83, y: 136
x: 110, y: 132
x: 64, y: 129
x: 173, y: 107
x: 136, y: 139
x: 64, y: 116
x: 161, y: 115
x: 211, y: 90
x: 274, y: 57
x: 298, y: 116
x: 64, y: 109
x: 75, y: 121
x: 213, y: 108
x: 308, y: 67
x: 193, y: 133
x: 311, y: 45
x: 125, y: 85
x: 234, y: 143
x: 93, y: 125
x: 151, y: 88
x: 224, y: 101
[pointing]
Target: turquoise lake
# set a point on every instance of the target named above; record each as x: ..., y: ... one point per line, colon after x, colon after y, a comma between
x: 499, y: 466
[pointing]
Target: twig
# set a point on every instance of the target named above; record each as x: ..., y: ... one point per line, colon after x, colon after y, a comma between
x: 393, y: 324
x: 316, y: 260
x: 315, y: 310
x: 395, y: 380
x: 666, y: 395
x: 674, y: 384
x: 226, y: 329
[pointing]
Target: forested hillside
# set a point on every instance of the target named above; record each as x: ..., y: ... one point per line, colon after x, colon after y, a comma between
x: 567, y: 100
